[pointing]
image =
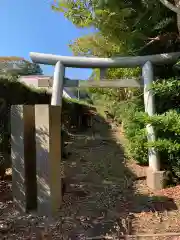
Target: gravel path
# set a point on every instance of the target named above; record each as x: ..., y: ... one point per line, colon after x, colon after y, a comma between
x: 106, y: 195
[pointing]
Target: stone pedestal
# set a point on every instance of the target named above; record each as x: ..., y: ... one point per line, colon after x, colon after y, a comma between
x: 155, y: 179
x: 23, y: 157
x: 48, y: 158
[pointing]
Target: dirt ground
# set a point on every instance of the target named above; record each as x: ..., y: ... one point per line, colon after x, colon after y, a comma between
x: 106, y: 195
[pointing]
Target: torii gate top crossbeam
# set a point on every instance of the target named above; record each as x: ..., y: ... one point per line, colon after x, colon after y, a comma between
x: 93, y: 62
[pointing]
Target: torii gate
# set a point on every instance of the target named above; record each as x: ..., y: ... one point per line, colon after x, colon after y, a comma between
x: 146, y: 62
x: 51, y: 201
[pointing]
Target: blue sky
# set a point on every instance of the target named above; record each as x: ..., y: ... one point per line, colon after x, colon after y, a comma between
x: 31, y: 26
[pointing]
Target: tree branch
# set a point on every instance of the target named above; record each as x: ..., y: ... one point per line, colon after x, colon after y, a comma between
x: 170, y: 6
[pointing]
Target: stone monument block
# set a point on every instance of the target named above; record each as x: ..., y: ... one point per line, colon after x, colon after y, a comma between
x: 23, y: 155
x: 48, y: 159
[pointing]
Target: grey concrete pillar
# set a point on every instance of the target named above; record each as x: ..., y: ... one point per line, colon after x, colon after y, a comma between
x: 57, y: 88
x: 147, y: 72
x: 48, y: 158
x: 155, y: 177
x: 23, y: 157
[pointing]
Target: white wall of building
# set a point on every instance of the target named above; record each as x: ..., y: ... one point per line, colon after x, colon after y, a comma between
x: 44, y: 82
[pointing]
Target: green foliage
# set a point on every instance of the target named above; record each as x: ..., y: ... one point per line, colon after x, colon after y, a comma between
x: 128, y: 24
x: 25, y: 69
x: 166, y: 123
x: 169, y: 92
x: 121, y: 28
x: 133, y: 28
x: 115, y: 95
x: 18, y: 67
x: 13, y: 92
x: 96, y: 45
x: 31, y: 69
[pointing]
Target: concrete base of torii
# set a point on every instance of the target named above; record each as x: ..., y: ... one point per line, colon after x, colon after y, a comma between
x: 155, y: 179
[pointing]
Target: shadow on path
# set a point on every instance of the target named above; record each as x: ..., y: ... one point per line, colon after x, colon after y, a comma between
x: 101, y: 197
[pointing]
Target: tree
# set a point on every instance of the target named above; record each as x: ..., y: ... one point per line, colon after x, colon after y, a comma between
x: 122, y: 28
x: 175, y: 8
x: 132, y: 24
x: 29, y: 68
x: 96, y: 45
x: 18, y: 66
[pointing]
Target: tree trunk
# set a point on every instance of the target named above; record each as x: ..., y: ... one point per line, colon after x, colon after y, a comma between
x: 178, y: 22
x: 175, y: 8
x: 177, y: 4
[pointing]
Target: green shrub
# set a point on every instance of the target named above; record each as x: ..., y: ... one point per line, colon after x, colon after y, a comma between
x: 166, y: 123
x: 167, y: 126
x: 13, y: 92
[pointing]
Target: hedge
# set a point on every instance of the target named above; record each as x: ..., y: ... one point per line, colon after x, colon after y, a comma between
x: 14, y: 92
x: 166, y: 123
